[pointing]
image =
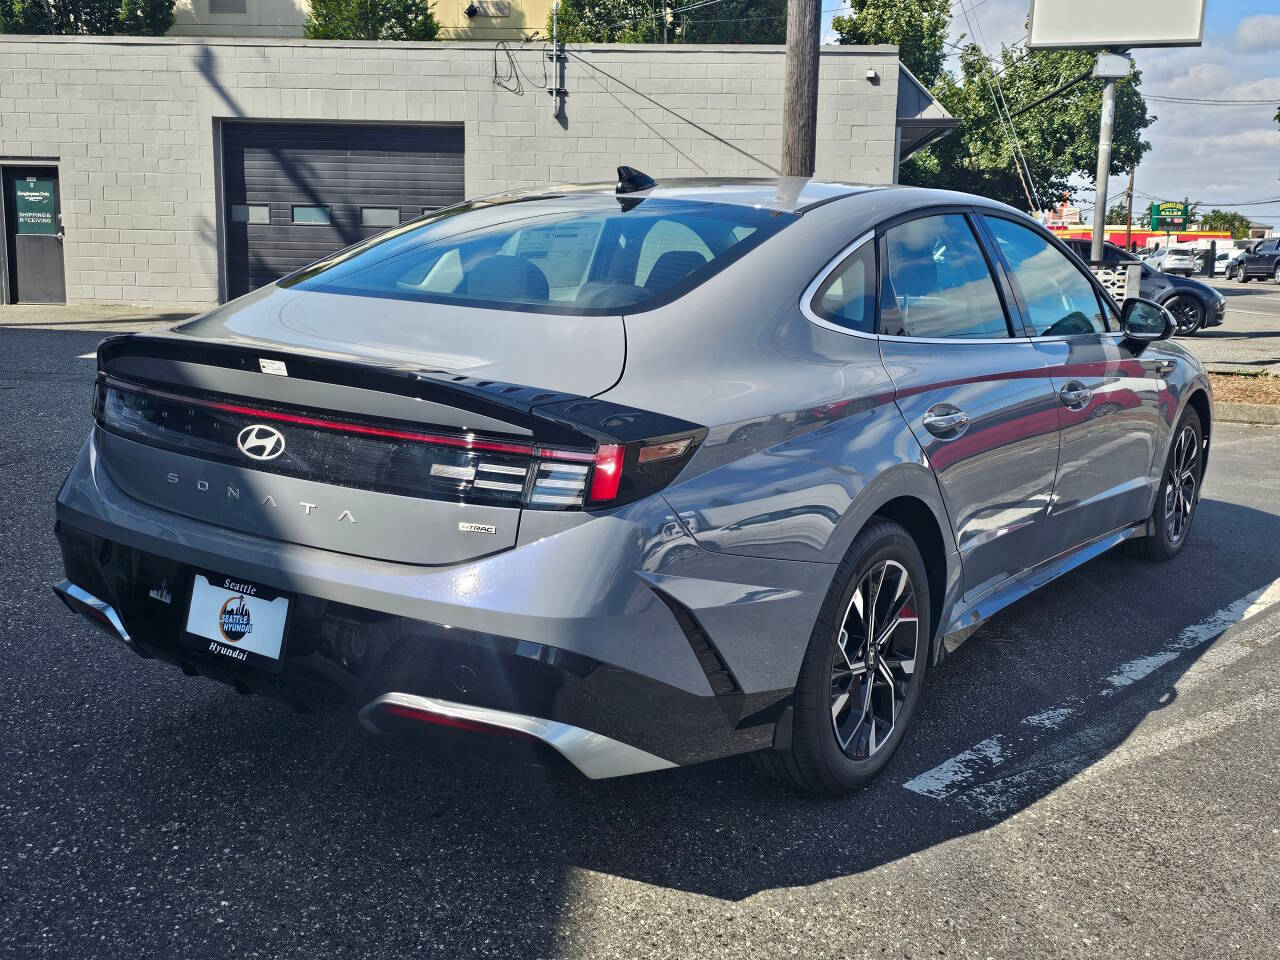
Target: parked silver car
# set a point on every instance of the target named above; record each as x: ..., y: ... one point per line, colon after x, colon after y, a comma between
x: 651, y: 474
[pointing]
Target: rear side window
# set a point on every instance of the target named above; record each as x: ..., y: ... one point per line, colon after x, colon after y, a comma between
x: 1059, y: 298
x: 589, y: 254
x: 936, y: 283
x: 847, y: 298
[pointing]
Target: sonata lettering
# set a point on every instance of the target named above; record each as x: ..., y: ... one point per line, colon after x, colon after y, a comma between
x: 233, y: 493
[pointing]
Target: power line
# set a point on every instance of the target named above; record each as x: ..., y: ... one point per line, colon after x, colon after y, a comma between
x: 1165, y: 98
x: 1002, y: 110
x: 662, y: 16
x: 683, y: 119
x: 1214, y: 203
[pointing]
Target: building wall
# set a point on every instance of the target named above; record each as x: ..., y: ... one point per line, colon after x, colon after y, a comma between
x: 495, y: 19
x: 131, y: 124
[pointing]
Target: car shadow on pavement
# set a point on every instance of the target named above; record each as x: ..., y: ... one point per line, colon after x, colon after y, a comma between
x: 473, y: 840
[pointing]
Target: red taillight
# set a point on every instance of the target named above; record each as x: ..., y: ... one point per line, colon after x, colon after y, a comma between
x: 456, y: 723
x: 606, y: 473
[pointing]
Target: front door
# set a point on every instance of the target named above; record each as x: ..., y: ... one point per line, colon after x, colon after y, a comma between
x: 33, y: 235
x: 1111, y: 397
x: 978, y: 399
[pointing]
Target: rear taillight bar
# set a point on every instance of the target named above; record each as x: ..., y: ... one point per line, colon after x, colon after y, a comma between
x: 478, y: 469
x: 465, y: 441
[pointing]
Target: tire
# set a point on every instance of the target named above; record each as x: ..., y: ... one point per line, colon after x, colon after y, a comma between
x: 1276, y: 278
x: 1185, y: 460
x: 817, y: 763
x: 1188, y: 313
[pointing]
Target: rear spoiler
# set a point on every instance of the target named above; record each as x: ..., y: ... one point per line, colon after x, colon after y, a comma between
x: 406, y: 394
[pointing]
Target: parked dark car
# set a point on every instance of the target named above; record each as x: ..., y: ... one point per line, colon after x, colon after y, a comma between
x: 1235, y: 264
x: 650, y: 476
x: 1260, y: 263
x: 1192, y: 303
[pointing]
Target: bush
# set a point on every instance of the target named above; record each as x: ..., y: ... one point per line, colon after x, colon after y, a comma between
x: 370, y: 20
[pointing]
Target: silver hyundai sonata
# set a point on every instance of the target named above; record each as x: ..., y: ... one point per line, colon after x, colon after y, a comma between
x: 651, y: 473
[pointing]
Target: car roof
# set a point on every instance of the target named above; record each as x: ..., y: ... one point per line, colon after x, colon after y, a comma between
x: 797, y: 195
x: 788, y: 194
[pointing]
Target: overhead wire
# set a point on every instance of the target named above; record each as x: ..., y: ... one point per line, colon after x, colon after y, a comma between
x: 679, y: 116
x: 1019, y: 159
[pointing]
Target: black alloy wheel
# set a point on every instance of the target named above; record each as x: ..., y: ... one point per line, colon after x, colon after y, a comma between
x: 1182, y: 481
x: 877, y: 649
x: 1179, y: 494
x: 1188, y: 314
x: 863, y: 672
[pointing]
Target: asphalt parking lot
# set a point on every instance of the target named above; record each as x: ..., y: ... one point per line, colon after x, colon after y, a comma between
x: 1093, y: 775
x: 1249, y: 339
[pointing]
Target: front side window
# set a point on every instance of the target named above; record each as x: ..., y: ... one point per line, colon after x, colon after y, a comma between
x: 586, y: 254
x: 1059, y: 298
x: 936, y: 283
x: 847, y: 298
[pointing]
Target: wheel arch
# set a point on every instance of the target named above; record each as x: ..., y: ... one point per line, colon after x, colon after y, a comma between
x: 1198, y: 400
x: 920, y: 521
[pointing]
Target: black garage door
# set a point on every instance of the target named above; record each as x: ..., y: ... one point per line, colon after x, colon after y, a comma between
x: 295, y: 192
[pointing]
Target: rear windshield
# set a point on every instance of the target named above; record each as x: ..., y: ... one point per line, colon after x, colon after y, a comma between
x: 583, y: 254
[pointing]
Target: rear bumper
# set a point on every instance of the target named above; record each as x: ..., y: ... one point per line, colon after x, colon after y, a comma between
x: 577, y: 640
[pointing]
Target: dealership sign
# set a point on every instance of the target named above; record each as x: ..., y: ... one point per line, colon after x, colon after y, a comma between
x: 1168, y: 216
x: 1117, y: 24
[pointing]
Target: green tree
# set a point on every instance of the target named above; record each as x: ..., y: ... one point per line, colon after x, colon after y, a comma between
x: 1058, y: 138
x: 371, y: 20
x: 660, y: 21
x: 607, y: 21
x: 145, y: 18
x: 1118, y: 212
x: 732, y: 21
x: 91, y: 17
x: 918, y: 27
x: 1237, y: 224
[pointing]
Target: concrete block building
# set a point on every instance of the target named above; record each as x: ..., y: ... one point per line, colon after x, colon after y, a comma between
x: 188, y: 170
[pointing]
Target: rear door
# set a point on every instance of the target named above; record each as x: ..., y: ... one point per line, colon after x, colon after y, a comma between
x: 1112, y: 397
x: 1264, y: 259
x: 979, y: 399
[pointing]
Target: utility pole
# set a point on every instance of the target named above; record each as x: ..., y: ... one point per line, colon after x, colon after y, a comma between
x: 1109, y: 67
x: 1128, y: 230
x: 800, y: 93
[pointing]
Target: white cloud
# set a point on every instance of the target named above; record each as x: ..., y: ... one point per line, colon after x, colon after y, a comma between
x: 1259, y: 32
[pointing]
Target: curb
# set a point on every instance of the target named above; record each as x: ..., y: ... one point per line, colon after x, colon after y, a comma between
x: 1264, y: 413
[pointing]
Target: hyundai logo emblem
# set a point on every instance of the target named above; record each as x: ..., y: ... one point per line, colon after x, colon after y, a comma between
x: 260, y: 442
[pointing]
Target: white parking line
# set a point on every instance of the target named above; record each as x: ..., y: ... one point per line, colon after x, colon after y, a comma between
x: 1193, y: 636
x: 979, y: 761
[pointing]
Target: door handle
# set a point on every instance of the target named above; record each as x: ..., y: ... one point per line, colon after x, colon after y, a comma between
x: 1075, y: 396
x: 946, y: 422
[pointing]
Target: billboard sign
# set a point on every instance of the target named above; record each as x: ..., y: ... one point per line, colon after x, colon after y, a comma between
x: 1118, y: 24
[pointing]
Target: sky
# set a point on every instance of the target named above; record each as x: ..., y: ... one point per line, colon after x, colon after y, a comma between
x: 1210, y: 153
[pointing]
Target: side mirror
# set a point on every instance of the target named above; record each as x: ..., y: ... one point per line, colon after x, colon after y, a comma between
x: 1146, y: 320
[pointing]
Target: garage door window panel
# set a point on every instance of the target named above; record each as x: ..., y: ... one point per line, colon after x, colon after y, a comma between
x: 312, y: 215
